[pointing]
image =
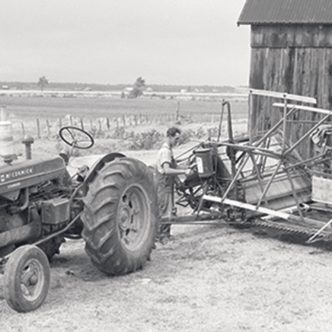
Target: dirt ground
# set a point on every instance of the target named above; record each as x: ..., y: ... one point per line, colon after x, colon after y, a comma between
x: 207, y: 278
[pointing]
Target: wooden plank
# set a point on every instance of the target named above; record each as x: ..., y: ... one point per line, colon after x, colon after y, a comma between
x: 321, y: 190
x: 296, y: 36
x: 282, y: 95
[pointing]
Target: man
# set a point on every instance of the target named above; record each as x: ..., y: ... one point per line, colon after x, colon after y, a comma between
x: 165, y: 172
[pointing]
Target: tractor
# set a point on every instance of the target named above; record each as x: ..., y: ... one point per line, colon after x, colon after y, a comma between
x: 263, y: 182
x: 111, y: 205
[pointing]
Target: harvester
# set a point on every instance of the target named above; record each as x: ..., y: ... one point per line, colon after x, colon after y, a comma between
x: 265, y: 180
x: 112, y: 205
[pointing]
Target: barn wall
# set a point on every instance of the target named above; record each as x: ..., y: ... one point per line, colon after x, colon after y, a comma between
x: 293, y: 59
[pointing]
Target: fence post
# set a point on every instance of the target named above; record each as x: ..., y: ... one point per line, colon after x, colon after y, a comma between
x: 23, y: 129
x: 82, y: 123
x: 48, y: 128
x: 60, y: 123
x: 38, y: 128
x: 108, y: 123
x: 177, y: 112
x: 99, y: 127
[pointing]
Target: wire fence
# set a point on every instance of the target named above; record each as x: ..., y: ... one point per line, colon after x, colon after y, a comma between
x: 41, y: 128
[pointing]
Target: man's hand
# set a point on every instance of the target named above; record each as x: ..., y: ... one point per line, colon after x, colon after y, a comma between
x: 188, y: 171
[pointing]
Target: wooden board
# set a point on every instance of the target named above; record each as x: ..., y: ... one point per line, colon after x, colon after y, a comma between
x: 321, y: 190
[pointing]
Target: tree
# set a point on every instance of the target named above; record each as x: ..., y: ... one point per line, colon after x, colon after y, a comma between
x: 138, y: 88
x: 43, y: 81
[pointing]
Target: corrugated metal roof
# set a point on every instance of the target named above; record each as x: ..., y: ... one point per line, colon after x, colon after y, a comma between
x: 286, y: 12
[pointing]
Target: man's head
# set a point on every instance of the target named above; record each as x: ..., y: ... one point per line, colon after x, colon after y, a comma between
x: 173, y: 135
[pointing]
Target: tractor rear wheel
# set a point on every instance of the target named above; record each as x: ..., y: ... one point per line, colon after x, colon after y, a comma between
x: 120, y: 216
x: 26, y: 278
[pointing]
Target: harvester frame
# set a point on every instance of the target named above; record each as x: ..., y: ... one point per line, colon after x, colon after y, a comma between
x: 288, y: 196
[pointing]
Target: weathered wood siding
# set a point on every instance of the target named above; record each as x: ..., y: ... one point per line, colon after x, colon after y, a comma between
x: 293, y: 59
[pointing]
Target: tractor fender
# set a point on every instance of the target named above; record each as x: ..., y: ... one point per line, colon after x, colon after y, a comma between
x: 99, y: 164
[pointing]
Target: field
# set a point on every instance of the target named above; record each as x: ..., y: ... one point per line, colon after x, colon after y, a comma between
x: 53, y: 108
x: 204, y: 279
x: 125, y: 124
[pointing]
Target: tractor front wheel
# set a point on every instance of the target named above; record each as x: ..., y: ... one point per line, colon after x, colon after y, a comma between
x: 120, y: 216
x: 26, y: 278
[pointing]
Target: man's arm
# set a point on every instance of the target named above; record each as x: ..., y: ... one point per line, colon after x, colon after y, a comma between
x: 173, y: 171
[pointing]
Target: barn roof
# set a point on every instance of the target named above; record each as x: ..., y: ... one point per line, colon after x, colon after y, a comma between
x: 286, y: 12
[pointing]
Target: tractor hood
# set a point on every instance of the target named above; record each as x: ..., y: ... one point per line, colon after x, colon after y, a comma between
x: 29, y: 172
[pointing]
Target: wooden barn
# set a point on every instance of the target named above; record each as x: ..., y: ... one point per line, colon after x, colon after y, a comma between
x: 291, y: 51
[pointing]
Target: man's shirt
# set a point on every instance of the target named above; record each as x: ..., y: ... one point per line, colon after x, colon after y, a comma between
x: 165, y: 155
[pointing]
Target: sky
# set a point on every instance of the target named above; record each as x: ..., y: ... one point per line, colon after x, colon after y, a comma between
x: 183, y: 42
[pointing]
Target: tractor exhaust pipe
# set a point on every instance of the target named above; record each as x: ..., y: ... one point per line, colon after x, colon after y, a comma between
x: 28, y: 141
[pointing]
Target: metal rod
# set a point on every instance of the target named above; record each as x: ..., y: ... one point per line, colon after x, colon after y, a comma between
x: 229, y: 188
x: 230, y: 138
x: 247, y: 206
x: 290, y: 210
x: 205, y: 222
x: 312, y: 238
x: 220, y: 120
x: 258, y: 175
x: 304, y: 108
x: 306, y: 121
x: 267, y: 187
x: 263, y: 210
x: 305, y: 161
x: 255, y: 149
x: 294, y: 193
x: 271, y: 130
x: 284, y: 126
x: 266, y: 135
x: 308, y: 133
x: 199, y: 207
x: 264, y: 158
x: 185, y: 152
x: 250, y: 103
x: 190, y: 218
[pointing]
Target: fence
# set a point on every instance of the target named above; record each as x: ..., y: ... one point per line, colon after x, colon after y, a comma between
x: 48, y: 128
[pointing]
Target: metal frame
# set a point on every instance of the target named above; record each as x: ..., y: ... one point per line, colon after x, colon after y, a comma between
x: 258, y: 153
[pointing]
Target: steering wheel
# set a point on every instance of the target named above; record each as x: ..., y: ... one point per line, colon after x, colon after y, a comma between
x: 76, y: 137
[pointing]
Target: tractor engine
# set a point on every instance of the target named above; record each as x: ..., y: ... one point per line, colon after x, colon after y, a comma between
x: 34, y: 202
